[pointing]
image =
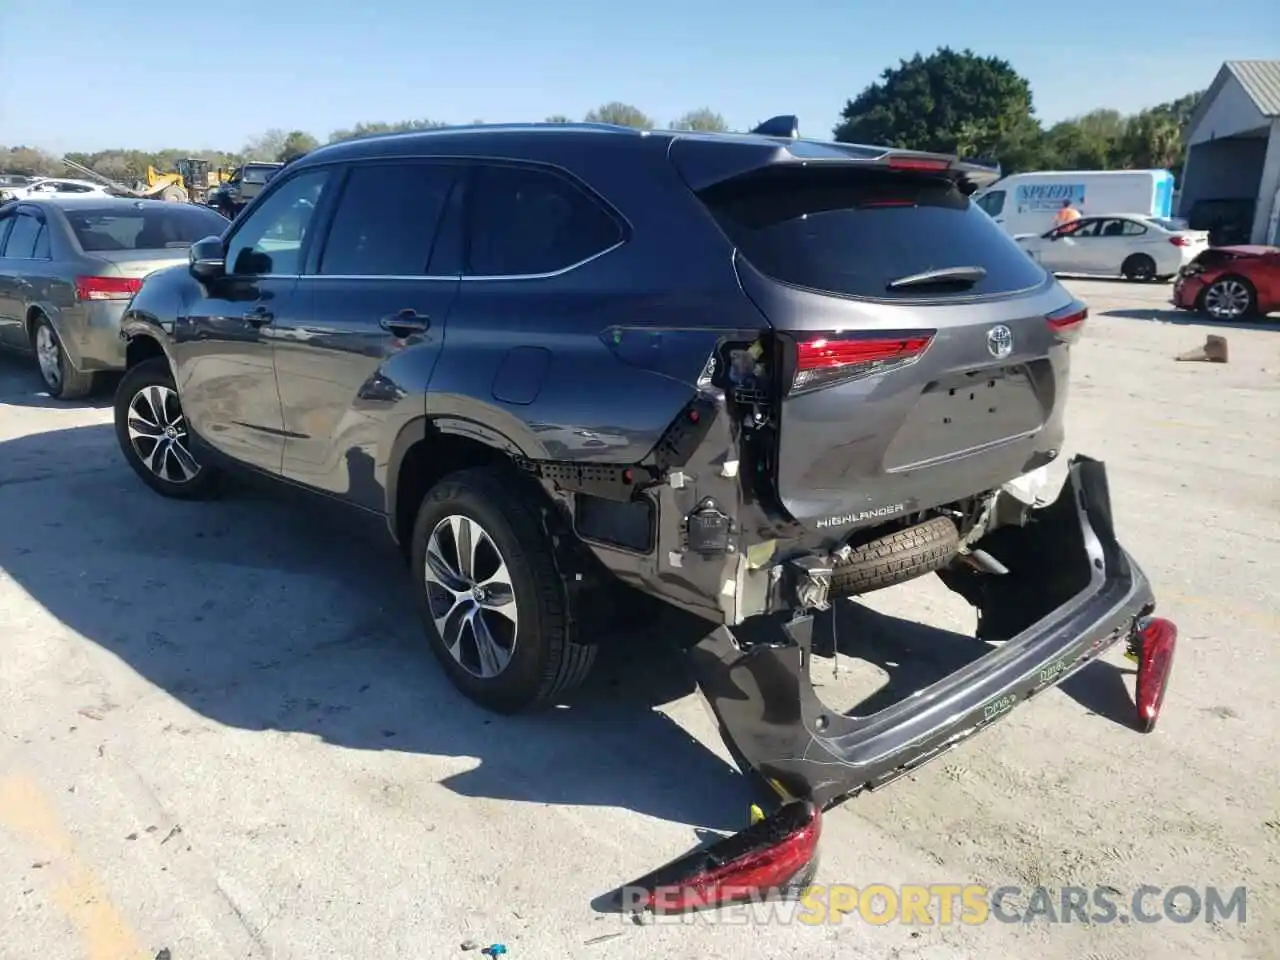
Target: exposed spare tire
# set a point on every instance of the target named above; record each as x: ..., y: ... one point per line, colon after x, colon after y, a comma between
x: 896, y: 557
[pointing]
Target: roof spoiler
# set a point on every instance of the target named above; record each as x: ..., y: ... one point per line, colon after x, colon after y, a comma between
x: 786, y: 126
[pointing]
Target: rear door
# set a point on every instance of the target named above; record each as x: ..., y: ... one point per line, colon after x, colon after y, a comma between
x: 372, y: 309
x: 914, y: 359
x: 23, y: 262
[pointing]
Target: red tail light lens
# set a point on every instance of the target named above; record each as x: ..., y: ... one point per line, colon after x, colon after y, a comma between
x: 1180, y: 241
x: 1157, y: 640
x: 840, y: 357
x: 901, y: 162
x: 1069, y: 321
x: 107, y: 288
x: 774, y: 858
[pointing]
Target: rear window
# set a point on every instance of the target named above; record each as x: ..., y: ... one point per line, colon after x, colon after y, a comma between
x: 1169, y: 223
x: 258, y: 174
x: 171, y: 225
x: 853, y: 232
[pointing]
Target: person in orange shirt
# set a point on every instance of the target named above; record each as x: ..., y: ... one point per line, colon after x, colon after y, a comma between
x: 1068, y: 214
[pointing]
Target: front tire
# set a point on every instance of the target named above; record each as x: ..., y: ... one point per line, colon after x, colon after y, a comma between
x: 61, y: 378
x: 1229, y: 298
x: 493, y: 604
x: 152, y: 432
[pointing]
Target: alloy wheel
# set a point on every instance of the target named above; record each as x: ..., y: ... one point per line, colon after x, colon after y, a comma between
x: 1227, y: 300
x: 158, y: 434
x: 49, y: 356
x: 470, y: 596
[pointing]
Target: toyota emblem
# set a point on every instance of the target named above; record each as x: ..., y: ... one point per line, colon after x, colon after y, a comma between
x: 1000, y: 341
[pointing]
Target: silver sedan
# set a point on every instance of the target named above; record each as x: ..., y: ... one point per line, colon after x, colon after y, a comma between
x: 68, y: 268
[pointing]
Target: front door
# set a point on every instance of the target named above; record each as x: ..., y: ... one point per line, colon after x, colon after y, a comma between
x: 223, y: 358
x: 354, y: 359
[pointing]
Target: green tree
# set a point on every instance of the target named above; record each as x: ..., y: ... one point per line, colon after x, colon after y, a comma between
x: 369, y: 129
x: 704, y: 118
x: 296, y: 144
x: 949, y: 101
x: 557, y: 118
x: 622, y: 114
x: 30, y: 162
x: 265, y: 146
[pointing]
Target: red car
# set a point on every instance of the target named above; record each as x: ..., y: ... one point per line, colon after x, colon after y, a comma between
x: 1229, y: 283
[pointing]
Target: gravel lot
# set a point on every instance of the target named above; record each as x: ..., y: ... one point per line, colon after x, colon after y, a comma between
x: 222, y: 736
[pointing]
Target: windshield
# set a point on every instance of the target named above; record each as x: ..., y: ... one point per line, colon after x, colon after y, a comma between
x: 171, y: 226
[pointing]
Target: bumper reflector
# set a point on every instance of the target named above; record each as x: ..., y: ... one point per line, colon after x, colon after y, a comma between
x: 774, y: 858
x: 1157, y: 639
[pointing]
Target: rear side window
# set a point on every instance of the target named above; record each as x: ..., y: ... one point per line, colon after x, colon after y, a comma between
x: 853, y: 232
x: 168, y: 226
x: 387, y: 220
x: 526, y: 222
x: 21, y: 243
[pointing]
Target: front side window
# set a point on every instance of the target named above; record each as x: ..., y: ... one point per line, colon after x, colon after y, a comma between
x: 992, y: 203
x: 271, y: 240
x: 387, y: 219
x: 527, y: 222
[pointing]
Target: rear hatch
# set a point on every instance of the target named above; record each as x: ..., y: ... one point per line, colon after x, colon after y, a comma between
x: 920, y: 356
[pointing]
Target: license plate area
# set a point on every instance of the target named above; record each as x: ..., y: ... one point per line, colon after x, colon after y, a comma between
x: 967, y: 411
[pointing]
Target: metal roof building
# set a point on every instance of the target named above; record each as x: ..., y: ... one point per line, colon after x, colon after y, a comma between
x: 1231, y: 177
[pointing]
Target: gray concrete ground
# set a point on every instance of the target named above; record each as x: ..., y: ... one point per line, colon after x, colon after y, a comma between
x: 222, y: 735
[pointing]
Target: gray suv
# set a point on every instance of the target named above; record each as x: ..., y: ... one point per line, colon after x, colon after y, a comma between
x: 743, y: 374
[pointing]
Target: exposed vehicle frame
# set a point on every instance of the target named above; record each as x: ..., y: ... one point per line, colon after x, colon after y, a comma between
x: 711, y: 542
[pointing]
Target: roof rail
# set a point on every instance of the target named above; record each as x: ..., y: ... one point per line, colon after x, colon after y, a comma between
x: 786, y: 125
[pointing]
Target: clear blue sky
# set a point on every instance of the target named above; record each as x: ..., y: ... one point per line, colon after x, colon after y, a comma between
x: 94, y: 74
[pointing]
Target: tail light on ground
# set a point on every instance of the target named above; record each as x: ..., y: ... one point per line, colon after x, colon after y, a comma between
x: 774, y: 858
x: 839, y: 357
x: 107, y: 288
x: 1157, y: 640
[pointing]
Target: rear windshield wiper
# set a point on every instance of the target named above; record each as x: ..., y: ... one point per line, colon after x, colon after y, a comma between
x: 943, y: 275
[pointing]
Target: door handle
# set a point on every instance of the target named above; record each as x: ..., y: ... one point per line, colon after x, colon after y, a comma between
x: 405, y: 323
x: 259, y: 317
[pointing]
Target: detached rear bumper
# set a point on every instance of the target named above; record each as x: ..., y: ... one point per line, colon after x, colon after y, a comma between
x: 1071, y: 593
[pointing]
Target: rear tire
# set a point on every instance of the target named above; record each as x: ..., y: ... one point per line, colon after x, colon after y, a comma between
x: 61, y: 378
x: 519, y: 616
x: 896, y: 558
x: 1139, y: 267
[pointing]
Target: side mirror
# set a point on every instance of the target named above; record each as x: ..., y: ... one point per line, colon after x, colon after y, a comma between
x: 208, y: 259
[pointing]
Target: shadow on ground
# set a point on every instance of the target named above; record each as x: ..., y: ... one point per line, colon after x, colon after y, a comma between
x: 21, y: 386
x: 264, y: 612
x: 1183, y: 319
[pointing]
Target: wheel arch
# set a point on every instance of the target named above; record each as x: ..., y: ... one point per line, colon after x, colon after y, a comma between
x: 426, y: 449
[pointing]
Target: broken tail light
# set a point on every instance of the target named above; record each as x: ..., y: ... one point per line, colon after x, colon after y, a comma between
x: 1157, y: 640
x: 837, y: 357
x: 1068, y: 322
x: 107, y: 288
x: 775, y: 858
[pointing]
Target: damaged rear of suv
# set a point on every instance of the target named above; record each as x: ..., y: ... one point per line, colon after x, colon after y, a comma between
x: 744, y: 374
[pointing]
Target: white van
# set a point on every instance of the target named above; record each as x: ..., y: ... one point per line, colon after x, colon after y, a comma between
x: 1025, y: 203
